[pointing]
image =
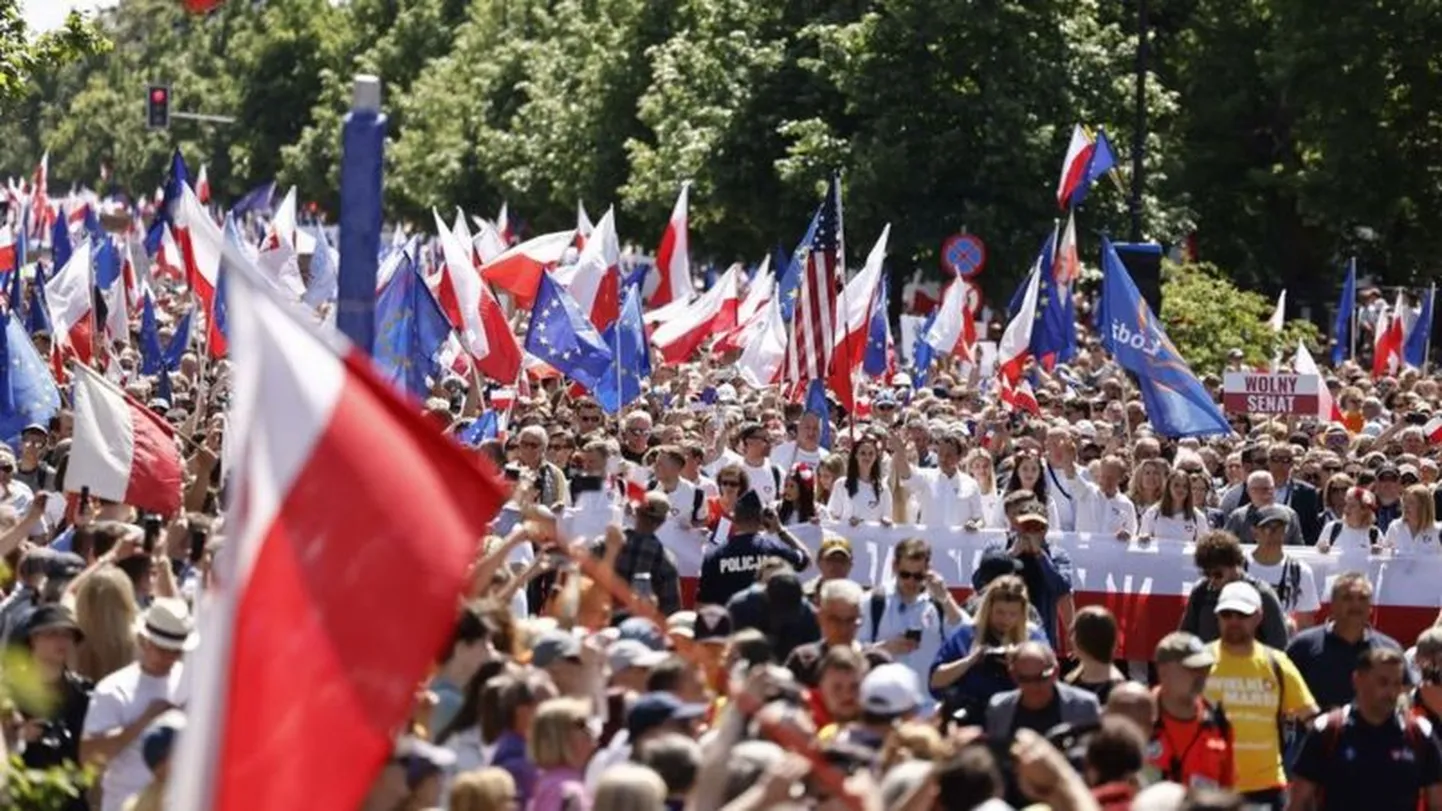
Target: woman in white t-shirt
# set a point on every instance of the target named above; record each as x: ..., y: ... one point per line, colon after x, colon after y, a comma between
x: 1026, y: 474
x: 1174, y: 518
x: 862, y: 495
x: 1415, y: 533
x: 981, y: 467
x: 1355, y: 536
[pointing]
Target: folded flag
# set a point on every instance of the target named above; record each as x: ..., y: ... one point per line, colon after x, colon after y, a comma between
x: 1342, y: 326
x: 123, y: 451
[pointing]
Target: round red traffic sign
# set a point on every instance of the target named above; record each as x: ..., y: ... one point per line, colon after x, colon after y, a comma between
x: 963, y: 254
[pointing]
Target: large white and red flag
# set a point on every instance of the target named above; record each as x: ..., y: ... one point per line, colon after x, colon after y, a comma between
x: 474, y: 313
x: 299, y: 685
x: 1391, y: 337
x: 201, y: 244
x: 713, y: 313
x: 1015, y: 345
x: 854, y: 310
x: 752, y: 312
x: 670, y: 279
x: 518, y: 270
x: 594, y: 281
x: 123, y: 451
x: 808, y: 356
x: 72, y: 308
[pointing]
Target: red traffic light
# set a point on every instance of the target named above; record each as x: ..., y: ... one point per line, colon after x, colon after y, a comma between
x: 158, y: 95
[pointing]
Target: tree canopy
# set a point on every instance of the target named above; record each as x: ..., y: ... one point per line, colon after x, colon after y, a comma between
x: 1285, y: 135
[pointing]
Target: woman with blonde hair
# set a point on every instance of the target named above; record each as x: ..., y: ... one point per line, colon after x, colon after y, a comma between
x: 488, y: 789
x: 1148, y: 484
x: 982, y: 468
x: 106, y: 611
x: 630, y: 787
x: 561, y: 742
x: 971, y: 665
x: 1415, y: 533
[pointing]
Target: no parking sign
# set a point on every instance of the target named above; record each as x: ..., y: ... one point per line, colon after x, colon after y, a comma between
x: 963, y: 254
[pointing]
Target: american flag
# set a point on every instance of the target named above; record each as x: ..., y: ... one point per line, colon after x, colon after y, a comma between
x: 808, y: 357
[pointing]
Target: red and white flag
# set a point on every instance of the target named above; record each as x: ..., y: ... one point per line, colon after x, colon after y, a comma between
x: 752, y: 312
x: 487, y: 242
x: 473, y: 312
x: 518, y: 270
x: 593, y: 281
x: 1074, y: 165
x: 854, y: 309
x: 713, y: 313
x: 1067, y: 267
x: 503, y: 225
x: 670, y: 279
x: 298, y: 686
x: 1391, y: 335
x: 1015, y: 345
x: 123, y: 451
x: 1019, y: 397
x: 169, y: 261
x: 201, y: 244
x: 953, y: 332
x: 583, y: 222
x: 763, y: 353
x: 1433, y: 429
x: 1304, y: 364
x: 68, y: 294
x: 202, y: 186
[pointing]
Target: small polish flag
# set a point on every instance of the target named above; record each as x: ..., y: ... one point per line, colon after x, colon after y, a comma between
x: 763, y: 351
x: 316, y: 531
x: 1018, y: 397
x: 594, y: 281
x: 202, y: 186
x: 69, y: 297
x: 1015, y: 345
x: 1387, y: 352
x: 670, y: 279
x: 953, y: 332
x: 518, y: 270
x: 503, y: 225
x: 752, y: 313
x: 584, y: 227
x: 1433, y: 429
x: 123, y: 451
x: 201, y: 244
x: 1074, y: 166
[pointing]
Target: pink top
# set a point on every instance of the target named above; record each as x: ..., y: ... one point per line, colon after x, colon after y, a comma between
x: 560, y: 789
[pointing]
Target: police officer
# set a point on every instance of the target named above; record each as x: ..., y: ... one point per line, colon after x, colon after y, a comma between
x: 730, y: 568
x: 1369, y: 754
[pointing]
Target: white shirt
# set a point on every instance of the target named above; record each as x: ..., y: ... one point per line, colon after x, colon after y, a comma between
x: 763, y: 481
x: 1352, y: 543
x: 1072, y: 497
x: 997, y: 518
x: 685, y: 510
x: 788, y: 454
x: 899, y: 617
x: 1112, y: 514
x: 865, y: 505
x: 1403, y: 542
x: 19, y: 496
x: 942, y: 501
x: 1172, y: 528
x: 119, y: 699
x: 1303, y: 598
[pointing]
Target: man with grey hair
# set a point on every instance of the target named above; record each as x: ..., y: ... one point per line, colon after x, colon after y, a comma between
x: 1262, y: 491
x: 1327, y: 654
x: 839, y: 615
x: 548, y: 480
x: 1040, y: 701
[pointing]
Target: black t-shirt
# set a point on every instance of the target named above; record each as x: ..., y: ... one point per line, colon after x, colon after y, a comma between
x: 60, y: 738
x: 1326, y: 661
x: 1379, y: 768
x: 1039, y: 721
x: 729, y: 569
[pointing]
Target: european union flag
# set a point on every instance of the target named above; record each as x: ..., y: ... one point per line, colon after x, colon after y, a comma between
x: 816, y: 404
x: 179, y: 342
x: 410, y: 330
x: 631, y: 358
x: 107, y: 263
x: 487, y: 426
x: 1176, y: 402
x: 790, y: 279
x: 1053, y: 336
x: 921, y: 352
x: 28, y: 393
x: 152, y: 356
x: 874, y: 362
x: 1342, y: 327
x: 561, y: 335
x: 60, y: 248
x: 256, y: 200
x: 176, y: 179
x: 38, y: 319
x: 1414, y: 352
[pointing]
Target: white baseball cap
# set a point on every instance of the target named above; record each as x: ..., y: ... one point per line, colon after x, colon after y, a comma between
x: 890, y: 689
x: 1241, y: 597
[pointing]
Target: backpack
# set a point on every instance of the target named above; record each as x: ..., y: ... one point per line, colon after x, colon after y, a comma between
x: 1290, y: 588
x: 878, y: 608
x: 1373, y: 534
x: 1214, y: 717
x: 1418, y: 739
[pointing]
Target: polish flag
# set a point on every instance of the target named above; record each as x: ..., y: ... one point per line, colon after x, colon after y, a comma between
x: 503, y: 225
x: 593, y: 281
x: 1387, y: 351
x: 7, y: 248
x: 1074, y: 166
x: 857, y: 300
x: 953, y: 332
x: 583, y: 223
x: 752, y: 313
x: 1015, y: 345
x: 1067, y: 267
x: 202, y: 186
x: 713, y: 313
x: 39, y: 196
x: 288, y: 643
x: 518, y: 270
x: 1304, y: 364
x: 123, y: 451
x: 764, y: 351
x: 169, y: 261
x: 474, y: 312
x: 1019, y: 397
x: 670, y: 279
x: 921, y: 297
x: 488, y: 243
x: 68, y: 294
x: 1433, y: 429
x: 201, y: 244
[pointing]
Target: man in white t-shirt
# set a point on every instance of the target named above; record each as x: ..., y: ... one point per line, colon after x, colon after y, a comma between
x: 125, y: 702
x: 805, y: 449
x: 765, y: 477
x: 945, y: 496
x: 1113, y: 513
x: 687, y: 502
x: 1290, y: 577
x: 1073, y: 496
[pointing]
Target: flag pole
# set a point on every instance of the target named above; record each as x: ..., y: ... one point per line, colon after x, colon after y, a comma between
x: 1431, y: 308
x: 1352, y: 271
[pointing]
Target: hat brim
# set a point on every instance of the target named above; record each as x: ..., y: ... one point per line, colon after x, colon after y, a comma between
x: 837, y: 550
x: 1033, y: 521
x: 1199, y: 660
x: 1237, y: 606
x: 59, y: 625
x: 166, y: 642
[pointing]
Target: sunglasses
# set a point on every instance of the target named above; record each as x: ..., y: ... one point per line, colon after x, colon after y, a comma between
x: 637, y: 431
x: 910, y: 575
x: 590, y: 418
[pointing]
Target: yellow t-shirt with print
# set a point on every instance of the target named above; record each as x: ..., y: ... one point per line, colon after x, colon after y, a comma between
x: 1246, y: 687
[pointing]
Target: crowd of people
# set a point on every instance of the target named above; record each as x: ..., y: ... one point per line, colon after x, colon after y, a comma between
x: 589, y: 670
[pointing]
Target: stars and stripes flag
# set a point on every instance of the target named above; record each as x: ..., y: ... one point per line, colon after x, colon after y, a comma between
x: 808, y: 356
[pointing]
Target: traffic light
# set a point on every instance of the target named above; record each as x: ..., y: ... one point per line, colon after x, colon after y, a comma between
x: 157, y: 107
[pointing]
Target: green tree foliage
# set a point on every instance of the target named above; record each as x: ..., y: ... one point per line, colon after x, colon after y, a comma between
x: 26, y: 58
x: 1206, y: 316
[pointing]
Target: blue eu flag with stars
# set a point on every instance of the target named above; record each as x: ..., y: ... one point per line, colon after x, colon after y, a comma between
x: 874, y: 362
x: 410, y: 330
x: 1177, y: 404
x: 28, y: 393
x: 562, y: 336
x: 631, y: 359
